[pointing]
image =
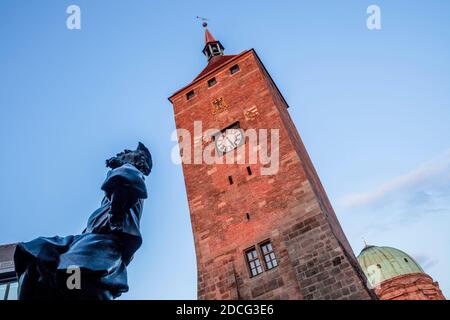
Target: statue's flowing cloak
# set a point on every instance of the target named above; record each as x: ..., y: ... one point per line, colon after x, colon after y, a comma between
x: 101, y: 252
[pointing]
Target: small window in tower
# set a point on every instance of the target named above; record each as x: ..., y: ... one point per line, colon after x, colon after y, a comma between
x: 234, y: 69
x: 269, y: 256
x: 215, y: 49
x: 248, y: 216
x: 406, y: 260
x: 230, y: 179
x: 254, y: 264
x: 249, y: 171
x: 190, y: 95
x: 212, y: 82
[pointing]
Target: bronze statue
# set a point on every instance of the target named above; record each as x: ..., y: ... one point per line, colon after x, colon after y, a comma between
x: 104, y: 249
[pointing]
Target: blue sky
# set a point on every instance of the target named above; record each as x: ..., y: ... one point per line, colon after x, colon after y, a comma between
x: 372, y: 107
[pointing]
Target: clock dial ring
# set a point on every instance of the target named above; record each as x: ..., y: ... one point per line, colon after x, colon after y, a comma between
x: 229, y: 140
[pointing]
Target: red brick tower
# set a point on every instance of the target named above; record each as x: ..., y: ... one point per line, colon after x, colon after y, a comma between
x: 259, y: 233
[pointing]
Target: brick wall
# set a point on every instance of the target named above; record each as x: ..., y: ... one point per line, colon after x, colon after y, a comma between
x: 290, y: 208
x: 415, y: 286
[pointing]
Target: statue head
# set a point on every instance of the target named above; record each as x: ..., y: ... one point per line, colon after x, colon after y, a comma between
x: 140, y: 158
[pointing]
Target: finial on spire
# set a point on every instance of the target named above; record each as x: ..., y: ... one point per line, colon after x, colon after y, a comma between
x: 365, y: 243
x: 212, y: 46
x: 204, y: 23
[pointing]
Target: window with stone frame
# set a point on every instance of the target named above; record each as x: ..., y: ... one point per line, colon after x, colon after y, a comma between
x: 254, y: 264
x: 270, y: 260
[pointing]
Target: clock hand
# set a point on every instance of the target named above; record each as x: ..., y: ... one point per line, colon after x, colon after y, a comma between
x: 232, y: 143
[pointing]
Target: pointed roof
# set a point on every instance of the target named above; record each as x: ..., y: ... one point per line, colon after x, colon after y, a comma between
x: 210, y: 40
x: 214, y: 63
x: 209, y: 37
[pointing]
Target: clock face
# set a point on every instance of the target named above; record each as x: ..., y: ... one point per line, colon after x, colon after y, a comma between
x: 229, y: 140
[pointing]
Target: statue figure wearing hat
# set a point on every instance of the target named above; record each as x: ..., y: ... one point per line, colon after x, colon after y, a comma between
x: 101, y: 253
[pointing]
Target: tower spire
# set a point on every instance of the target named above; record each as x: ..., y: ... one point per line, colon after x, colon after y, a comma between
x: 209, y: 38
x: 212, y: 47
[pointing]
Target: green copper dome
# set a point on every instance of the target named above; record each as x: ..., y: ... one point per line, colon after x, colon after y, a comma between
x: 385, y: 263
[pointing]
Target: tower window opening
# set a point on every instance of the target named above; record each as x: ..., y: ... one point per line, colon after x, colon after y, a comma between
x: 269, y: 256
x: 253, y: 262
x: 234, y: 69
x: 215, y: 49
x: 212, y: 82
x: 230, y: 179
x: 190, y: 95
x: 406, y: 260
x: 249, y: 171
x: 248, y: 216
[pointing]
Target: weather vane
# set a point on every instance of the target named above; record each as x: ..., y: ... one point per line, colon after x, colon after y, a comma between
x: 204, y: 24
